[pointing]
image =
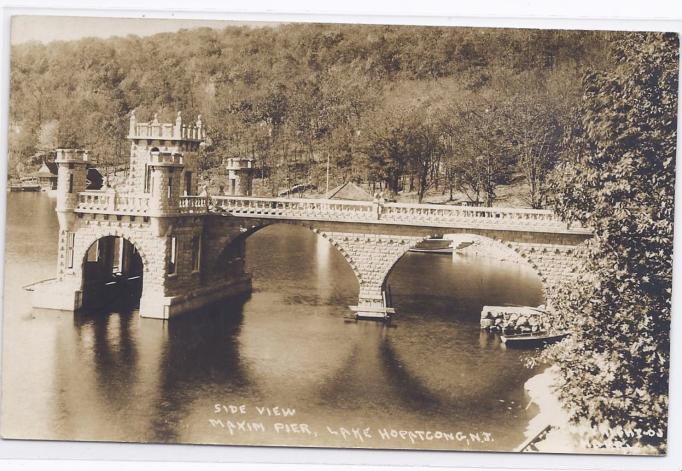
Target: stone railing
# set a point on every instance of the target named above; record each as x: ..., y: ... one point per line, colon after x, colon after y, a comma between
x: 166, y: 131
x: 166, y: 158
x: 194, y: 204
x: 296, y: 208
x: 108, y: 201
x: 435, y: 215
x: 495, y: 217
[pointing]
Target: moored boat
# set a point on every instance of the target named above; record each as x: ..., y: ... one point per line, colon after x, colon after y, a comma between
x: 29, y: 187
x: 535, y: 339
x: 26, y: 184
x: 437, y: 246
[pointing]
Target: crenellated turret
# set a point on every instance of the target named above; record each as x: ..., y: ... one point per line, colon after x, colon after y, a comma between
x: 166, y: 139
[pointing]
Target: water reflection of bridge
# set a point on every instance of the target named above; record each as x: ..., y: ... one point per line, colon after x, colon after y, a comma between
x: 142, y: 381
x: 191, y: 248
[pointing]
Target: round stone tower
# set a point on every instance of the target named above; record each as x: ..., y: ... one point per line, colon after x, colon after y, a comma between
x: 240, y: 176
x: 71, y: 180
x: 165, y: 180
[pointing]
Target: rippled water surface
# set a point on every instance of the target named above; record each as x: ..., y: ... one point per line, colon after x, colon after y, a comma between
x: 414, y: 384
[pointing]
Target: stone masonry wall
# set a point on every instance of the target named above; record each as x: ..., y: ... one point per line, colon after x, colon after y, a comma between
x: 371, y: 256
x: 554, y: 263
x: 140, y: 156
x: 90, y: 228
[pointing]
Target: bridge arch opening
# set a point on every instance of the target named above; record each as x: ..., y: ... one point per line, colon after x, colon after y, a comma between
x: 293, y: 254
x: 112, y: 274
x: 479, y: 268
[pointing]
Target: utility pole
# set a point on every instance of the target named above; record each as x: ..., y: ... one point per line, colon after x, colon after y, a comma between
x: 327, y: 192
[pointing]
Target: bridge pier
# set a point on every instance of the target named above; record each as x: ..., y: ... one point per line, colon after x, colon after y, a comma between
x: 177, y: 272
x: 373, y: 309
x: 157, y: 306
x: 372, y: 257
x: 372, y: 303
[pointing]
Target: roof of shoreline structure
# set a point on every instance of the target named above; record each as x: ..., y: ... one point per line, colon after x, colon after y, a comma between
x: 349, y: 191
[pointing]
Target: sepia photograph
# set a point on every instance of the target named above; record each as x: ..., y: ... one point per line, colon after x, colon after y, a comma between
x: 339, y: 235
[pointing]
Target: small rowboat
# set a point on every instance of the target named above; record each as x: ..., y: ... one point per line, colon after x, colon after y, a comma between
x: 535, y: 339
x: 441, y: 250
x: 434, y: 245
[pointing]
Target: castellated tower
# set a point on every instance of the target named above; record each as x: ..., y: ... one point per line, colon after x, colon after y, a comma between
x: 142, y: 240
x: 71, y: 180
x: 167, y: 150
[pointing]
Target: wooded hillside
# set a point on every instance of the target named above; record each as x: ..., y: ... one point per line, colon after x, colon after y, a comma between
x: 418, y: 108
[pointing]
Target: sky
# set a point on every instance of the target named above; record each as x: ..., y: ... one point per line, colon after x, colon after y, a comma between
x: 51, y: 28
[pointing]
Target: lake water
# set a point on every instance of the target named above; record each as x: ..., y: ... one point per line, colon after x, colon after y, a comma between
x: 430, y: 380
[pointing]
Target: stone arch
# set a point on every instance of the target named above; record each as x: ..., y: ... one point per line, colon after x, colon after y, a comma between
x: 530, y: 259
x: 328, y: 236
x: 507, y: 251
x: 115, y: 274
x: 341, y: 250
x: 84, y: 244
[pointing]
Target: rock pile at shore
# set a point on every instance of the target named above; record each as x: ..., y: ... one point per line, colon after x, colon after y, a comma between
x: 513, y: 319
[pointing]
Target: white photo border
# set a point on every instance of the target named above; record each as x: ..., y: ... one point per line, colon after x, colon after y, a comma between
x: 605, y: 15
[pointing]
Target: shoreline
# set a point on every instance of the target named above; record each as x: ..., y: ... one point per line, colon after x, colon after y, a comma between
x: 559, y: 438
x: 562, y: 436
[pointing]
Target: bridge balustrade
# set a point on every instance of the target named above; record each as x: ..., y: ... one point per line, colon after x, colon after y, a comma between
x: 103, y: 201
x: 133, y: 204
x: 296, y: 208
x: 341, y: 211
x: 393, y: 213
x: 193, y: 204
x: 400, y: 212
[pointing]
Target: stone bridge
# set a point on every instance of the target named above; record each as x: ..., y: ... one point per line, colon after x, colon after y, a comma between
x: 187, y: 250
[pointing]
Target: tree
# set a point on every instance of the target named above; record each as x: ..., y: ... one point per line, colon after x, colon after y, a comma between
x: 425, y: 149
x: 402, y: 140
x: 385, y: 144
x: 480, y: 153
x: 21, y: 146
x: 535, y: 130
x: 620, y: 182
x: 277, y: 93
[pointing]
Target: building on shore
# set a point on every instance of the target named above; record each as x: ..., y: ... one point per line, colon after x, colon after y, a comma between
x: 47, y: 176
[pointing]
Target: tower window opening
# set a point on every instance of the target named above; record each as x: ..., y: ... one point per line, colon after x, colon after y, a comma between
x: 70, y: 242
x: 147, y: 179
x: 196, y: 253
x: 188, y: 183
x: 173, y: 260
